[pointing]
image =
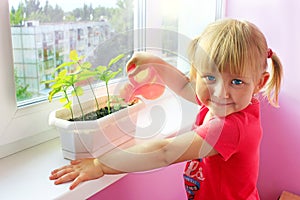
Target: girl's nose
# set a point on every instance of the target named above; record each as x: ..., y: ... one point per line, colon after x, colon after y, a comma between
x: 220, y: 90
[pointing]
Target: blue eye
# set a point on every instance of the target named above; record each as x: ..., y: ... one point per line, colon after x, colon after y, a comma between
x: 237, y: 82
x: 210, y: 78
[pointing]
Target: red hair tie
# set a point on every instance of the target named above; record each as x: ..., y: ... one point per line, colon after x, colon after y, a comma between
x: 270, y: 53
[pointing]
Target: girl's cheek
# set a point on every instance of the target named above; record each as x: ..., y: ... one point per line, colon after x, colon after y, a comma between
x: 203, y: 93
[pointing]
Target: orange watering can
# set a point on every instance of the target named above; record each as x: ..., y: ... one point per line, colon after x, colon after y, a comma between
x: 146, y: 83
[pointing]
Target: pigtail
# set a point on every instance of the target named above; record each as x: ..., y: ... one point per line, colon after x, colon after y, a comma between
x: 273, y: 86
x: 191, y: 55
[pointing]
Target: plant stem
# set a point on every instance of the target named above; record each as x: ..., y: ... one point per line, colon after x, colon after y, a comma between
x: 82, y: 113
x: 97, y: 104
x: 68, y: 100
x: 108, y: 97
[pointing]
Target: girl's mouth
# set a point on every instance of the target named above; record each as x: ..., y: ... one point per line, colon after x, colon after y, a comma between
x: 221, y: 103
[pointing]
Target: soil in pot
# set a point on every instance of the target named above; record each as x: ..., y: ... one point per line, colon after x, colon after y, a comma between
x: 102, y: 112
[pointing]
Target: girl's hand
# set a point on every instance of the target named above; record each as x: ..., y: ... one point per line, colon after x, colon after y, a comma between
x: 168, y: 76
x: 78, y: 171
x: 144, y: 79
x: 143, y: 60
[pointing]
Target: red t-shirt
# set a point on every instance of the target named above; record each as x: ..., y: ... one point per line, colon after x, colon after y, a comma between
x: 232, y: 174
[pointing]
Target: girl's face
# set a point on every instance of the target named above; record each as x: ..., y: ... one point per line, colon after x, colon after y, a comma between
x: 225, y: 93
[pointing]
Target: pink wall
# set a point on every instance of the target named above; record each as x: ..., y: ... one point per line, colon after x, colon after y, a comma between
x: 165, y: 183
x: 280, y: 150
x: 280, y: 160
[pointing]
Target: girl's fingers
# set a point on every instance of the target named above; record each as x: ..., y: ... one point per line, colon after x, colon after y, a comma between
x: 77, y: 180
x: 60, y: 172
x: 66, y: 178
x: 131, y: 67
x: 60, y: 169
x: 73, y: 162
x: 78, y: 171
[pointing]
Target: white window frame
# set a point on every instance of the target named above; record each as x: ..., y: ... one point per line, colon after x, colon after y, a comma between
x: 23, y: 127
x: 17, y: 124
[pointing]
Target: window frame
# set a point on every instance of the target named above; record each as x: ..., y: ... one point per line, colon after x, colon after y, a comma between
x: 26, y: 126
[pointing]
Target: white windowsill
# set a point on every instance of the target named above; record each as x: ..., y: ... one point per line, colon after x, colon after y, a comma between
x: 24, y: 175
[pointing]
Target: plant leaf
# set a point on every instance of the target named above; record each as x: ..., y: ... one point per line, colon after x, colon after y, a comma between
x: 65, y: 64
x: 63, y: 100
x: 57, y: 85
x: 101, y: 69
x: 86, y: 74
x: 111, y: 74
x: 116, y: 59
x: 68, y: 105
x: 86, y: 65
x: 73, y: 55
x: 72, y: 79
x: 47, y: 81
x: 62, y: 74
x: 78, y: 91
x: 77, y: 70
x: 53, y: 92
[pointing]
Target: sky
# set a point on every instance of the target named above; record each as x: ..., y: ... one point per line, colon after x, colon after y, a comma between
x: 69, y: 5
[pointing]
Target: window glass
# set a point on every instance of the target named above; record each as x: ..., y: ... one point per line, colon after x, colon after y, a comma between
x: 178, y: 23
x: 44, y: 32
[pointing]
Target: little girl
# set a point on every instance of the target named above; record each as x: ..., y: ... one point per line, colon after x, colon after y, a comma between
x: 228, y: 71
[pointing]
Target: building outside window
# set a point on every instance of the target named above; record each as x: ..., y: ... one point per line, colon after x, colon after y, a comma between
x: 44, y: 32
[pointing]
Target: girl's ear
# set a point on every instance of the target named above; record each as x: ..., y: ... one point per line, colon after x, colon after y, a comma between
x: 262, y: 82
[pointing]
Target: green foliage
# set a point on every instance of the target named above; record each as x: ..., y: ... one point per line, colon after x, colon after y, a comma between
x: 16, y: 16
x: 48, y: 13
x: 64, y: 81
x: 32, y: 6
x: 22, y: 92
x: 125, y: 12
x: 105, y: 74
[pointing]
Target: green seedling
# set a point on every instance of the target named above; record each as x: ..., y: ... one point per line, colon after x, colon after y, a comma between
x: 86, y: 73
x: 105, y: 74
x: 64, y: 81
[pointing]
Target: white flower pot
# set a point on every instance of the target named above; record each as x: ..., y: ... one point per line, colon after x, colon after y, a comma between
x: 81, y: 139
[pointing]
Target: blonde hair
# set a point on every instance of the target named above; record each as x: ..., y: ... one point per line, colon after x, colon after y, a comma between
x: 237, y: 45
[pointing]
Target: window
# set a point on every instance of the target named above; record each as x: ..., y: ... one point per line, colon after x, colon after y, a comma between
x: 32, y: 45
x: 44, y: 32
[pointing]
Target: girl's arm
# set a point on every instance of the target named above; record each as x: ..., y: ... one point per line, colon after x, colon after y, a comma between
x: 171, y: 76
x: 141, y: 157
x: 156, y: 153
